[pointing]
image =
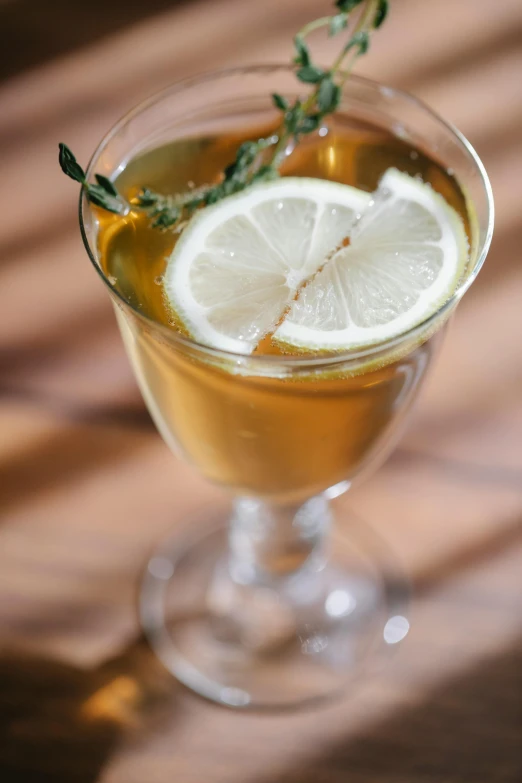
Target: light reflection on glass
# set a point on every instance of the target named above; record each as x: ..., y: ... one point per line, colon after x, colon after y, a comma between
x: 235, y: 697
x: 161, y: 568
x: 396, y: 629
x: 331, y: 157
x: 339, y: 603
x: 314, y: 644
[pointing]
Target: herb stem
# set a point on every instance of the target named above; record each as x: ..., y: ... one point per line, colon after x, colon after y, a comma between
x: 363, y: 27
x: 255, y: 160
x: 324, y: 21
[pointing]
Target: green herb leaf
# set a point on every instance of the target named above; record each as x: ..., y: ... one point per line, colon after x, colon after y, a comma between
x: 279, y: 102
x: 329, y: 96
x: 69, y: 164
x: 265, y: 174
x: 310, y: 74
x: 337, y: 23
x: 309, y: 123
x: 167, y: 218
x: 230, y: 170
x: 381, y: 14
x: 363, y: 42
x: 246, y: 153
x: 360, y: 40
x: 106, y: 184
x: 249, y: 166
x: 303, y: 55
x: 293, y: 116
x: 212, y: 196
x: 97, y: 195
x: 347, y: 5
x: 146, y: 198
x: 192, y: 205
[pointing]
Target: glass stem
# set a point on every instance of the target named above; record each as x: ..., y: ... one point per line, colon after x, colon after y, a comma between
x: 271, y: 542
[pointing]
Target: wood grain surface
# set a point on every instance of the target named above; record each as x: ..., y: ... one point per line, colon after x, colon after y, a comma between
x: 87, y: 487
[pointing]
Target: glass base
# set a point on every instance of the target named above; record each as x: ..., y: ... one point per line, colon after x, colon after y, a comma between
x: 297, y: 640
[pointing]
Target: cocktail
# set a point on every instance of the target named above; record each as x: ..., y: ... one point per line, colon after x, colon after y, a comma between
x: 279, y: 333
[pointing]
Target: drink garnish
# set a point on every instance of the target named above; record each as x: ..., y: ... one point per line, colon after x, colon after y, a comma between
x: 276, y: 259
x: 406, y: 255
x: 239, y: 263
x: 255, y: 161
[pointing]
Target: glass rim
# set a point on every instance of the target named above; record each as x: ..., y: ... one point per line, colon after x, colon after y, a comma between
x: 299, y: 361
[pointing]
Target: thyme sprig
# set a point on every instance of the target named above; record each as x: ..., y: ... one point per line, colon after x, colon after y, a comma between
x: 104, y: 193
x: 255, y: 160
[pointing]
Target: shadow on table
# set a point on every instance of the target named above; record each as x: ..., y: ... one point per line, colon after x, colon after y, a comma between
x: 466, y: 731
x: 37, y: 31
x: 61, y: 724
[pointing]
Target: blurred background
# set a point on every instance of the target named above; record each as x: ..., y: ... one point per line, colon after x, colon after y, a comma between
x: 87, y: 487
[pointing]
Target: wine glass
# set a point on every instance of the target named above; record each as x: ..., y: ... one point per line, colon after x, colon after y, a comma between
x: 269, y: 608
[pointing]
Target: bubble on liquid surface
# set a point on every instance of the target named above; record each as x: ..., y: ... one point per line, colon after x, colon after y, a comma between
x: 414, y: 155
x: 112, y: 280
x: 159, y: 280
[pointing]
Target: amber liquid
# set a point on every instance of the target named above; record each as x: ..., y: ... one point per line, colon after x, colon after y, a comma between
x: 285, y: 438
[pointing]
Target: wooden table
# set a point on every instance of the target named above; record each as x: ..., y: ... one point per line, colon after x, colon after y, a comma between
x: 87, y: 487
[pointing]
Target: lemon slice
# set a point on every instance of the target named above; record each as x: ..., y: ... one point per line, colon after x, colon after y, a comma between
x: 239, y: 263
x: 405, y: 258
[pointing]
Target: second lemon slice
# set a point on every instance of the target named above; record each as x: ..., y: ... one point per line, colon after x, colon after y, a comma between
x: 406, y: 256
x: 239, y: 263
